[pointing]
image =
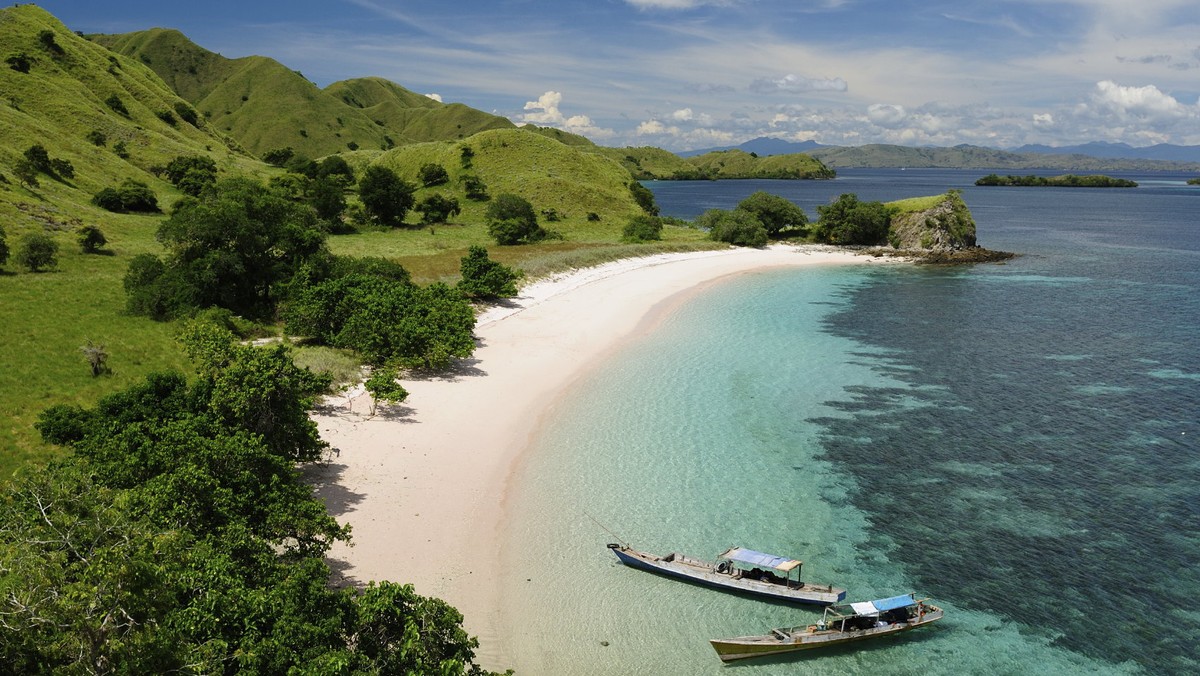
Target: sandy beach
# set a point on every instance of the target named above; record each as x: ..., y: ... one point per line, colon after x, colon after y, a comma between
x: 423, y: 483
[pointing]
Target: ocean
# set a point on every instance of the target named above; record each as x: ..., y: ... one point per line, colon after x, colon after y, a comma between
x: 1017, y: 442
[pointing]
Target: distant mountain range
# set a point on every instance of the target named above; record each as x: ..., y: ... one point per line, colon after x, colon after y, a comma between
x: 1086, y: 157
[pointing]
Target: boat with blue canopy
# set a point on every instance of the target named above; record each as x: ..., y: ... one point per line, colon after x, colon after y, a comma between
x: 842, y: 623
x: 737, y: 569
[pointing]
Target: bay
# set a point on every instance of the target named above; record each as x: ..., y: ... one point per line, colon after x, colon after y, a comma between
x: 1016, y: 441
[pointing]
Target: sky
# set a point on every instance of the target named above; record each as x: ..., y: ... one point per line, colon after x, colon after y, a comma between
x: 690, y: 74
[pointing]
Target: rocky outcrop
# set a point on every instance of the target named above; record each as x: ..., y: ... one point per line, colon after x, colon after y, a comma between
x: 945, y: 226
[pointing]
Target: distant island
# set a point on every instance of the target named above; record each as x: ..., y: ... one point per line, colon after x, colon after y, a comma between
x: 1194, y: 181
x: 1065, y: 181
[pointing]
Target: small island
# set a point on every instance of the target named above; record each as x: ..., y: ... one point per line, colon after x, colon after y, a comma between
x: 1194, y: 181
x: 1064, y: 181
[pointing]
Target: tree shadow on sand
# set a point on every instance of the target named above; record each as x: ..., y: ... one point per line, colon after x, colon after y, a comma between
x: 325, y: 479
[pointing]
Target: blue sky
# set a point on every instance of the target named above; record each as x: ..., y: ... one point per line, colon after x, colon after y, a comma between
x: 684, y: 74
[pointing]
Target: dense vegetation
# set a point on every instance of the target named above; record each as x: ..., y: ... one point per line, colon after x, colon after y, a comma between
x: 178, y: 536
x: 1064, y: 181
x: 658, y: 164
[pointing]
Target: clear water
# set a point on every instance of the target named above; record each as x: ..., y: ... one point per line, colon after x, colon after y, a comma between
x: 1018, y: 442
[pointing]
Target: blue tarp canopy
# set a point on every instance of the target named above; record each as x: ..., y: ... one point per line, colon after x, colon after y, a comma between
x: 750, y: 557
x: 872, y: 608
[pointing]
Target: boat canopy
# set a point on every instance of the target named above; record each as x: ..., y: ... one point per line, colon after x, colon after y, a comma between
x: 870, y: 608
x: 750, y: 557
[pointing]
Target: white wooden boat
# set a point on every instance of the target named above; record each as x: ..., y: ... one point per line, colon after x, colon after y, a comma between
x: 840, y: 624
x: 737, y: 569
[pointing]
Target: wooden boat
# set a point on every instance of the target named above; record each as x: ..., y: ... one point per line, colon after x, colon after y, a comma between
x: 840, y: 624
x: 739, y: 570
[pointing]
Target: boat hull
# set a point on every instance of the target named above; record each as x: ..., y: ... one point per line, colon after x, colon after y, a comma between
x: 701, y: 572
x: 745, y: 647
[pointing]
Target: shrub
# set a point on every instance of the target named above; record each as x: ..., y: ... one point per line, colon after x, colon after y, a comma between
x: 483, y: 277
x: 279, y: 156
x: 740, y: 228
x: 130, y: 196
x: 166, y: 116
x: 848, y: 221
x: 644, y: 198
x: 97, y: 138
x: 642, y: 228
x: 62, y: 168
x: 475, y: 188
x: 433, y: 174
x: 386, y: 198
x: 46, y: 37
x: 120, y: 150
x: 117, y: 105
x: 438, y: 209
x: 37, y: 252
x: 776, y: 213
x: 90, y: 239
x: 511, y: 220
x: 3, y: 247
x: 192, y: 174
x: 19, y: 62
x: 39, y: 158
x: 187, y: 113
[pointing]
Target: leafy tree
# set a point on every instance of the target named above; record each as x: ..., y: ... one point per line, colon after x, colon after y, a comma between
x: 642, y: 228
x: 25, y: 173
x: 3, y: 246
x: 433, y: 175
x: 644, y: 198
x: 62, y: 168
x: 279, y: 157
x: 90, y: 239
x: 385, y: 321
x: 167, y: 117
x: 737, y: 227
x: 187, y: 113
x: 384, y: 386
x: 46, y: 37
x: 385, y: 196
x: 328, y: 199
x: 483, y: 277
x: 776, y: 213
x: 465, y: 156
x: 512, y: 220
x: 475, y: 188
x: 120, y: 150
x: 438, y: 209
x: 37, y: 251
x: 192, y: 174
x: 97, y: 138
x: 19, y: 62
x: 336, y: 166
x: 37, y: 155
x: 849, y: 221
x: 131, y: 195
x: 235, y: 247
x: 117, y: 105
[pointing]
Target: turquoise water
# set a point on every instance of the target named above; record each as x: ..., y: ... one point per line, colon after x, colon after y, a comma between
x: 1016, y: 442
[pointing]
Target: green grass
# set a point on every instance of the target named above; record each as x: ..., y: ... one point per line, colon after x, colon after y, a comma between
x: 914, y: 204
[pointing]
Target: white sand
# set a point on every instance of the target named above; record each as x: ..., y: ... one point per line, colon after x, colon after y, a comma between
x: 423, y: 483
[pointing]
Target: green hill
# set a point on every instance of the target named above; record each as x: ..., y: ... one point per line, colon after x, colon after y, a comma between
x: 658, y: 164
x: 975, y: 157
x: 265, y: 105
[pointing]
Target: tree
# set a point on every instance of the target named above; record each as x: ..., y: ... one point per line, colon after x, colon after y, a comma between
x: 384, y: 386
x: 328, y: 199
x: 776, y: 213
x: 475, y: 188
x: 36, y: 252
x: 19, y: 62
x: 39, y: 158
x: 336, y: 166
x: 3, y: 246
x: 385, y: 196
x: 644, y: 198
x: 279, y: 156
x: 192, y: 174
x: 26, y: 173
x: 97, y: 137
x: 438, y: 209
x: 737, y: 227
x: 848, y: 221
x: 117, y: 105
x: 512, y: 220
x: 90, y: 239
x: 433, y: 175
x: 235, y: 247
x: 642, y: 228
x: 385, y: 321
x: 483, y: 277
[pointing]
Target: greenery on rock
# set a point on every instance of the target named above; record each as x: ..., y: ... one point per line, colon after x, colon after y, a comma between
x: 1064, y: 181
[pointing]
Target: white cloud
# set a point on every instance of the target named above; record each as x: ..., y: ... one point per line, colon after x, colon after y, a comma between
x: 435, y: 97
x: 1148, y: 102
x: 791, y: 84
x: 545, y: 111
x: 1043, y: 120
x: 886, y: 115
x: 683, y: 114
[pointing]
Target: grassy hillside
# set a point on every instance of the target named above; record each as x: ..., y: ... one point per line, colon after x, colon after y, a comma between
x: 48, y: 316
x: 649, y: 163
x: 265, y: 105
x: 741, y: 164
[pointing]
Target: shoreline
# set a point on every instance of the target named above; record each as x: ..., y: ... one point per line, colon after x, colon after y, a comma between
x: 423, y: 484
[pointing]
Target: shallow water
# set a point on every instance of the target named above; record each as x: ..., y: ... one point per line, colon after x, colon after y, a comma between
x: 1015, y: 441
